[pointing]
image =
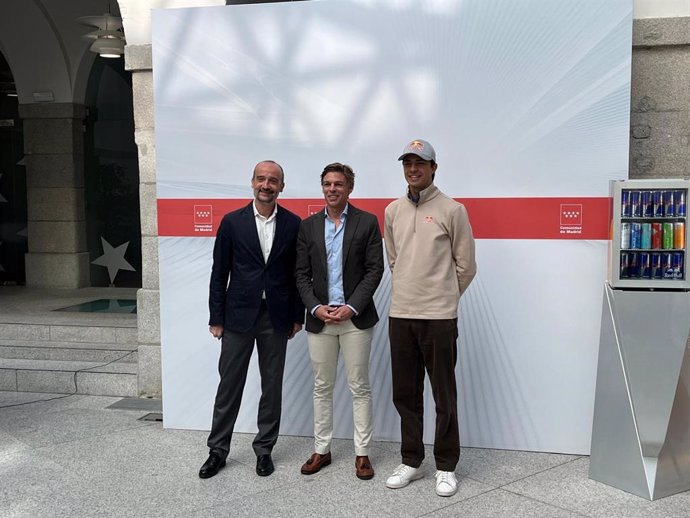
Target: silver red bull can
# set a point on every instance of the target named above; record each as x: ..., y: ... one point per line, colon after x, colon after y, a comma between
x: 625, y: 236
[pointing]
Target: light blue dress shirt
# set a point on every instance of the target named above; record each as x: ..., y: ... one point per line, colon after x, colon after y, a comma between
x: 334, y: 261
x: 334, y: 258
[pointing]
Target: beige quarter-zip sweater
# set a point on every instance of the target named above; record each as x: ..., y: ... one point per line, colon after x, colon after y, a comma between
x: 430, y: 251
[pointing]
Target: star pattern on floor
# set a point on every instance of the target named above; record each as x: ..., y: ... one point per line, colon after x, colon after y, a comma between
x: 113, y: 259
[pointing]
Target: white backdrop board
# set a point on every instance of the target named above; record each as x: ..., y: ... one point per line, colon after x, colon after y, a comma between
x: 527, y: 105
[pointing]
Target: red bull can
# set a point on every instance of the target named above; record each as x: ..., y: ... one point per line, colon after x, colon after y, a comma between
x: 625, y: 236
x: 625, y: 265
x: 646, y: 236
x: 667, y: 265
x: 667, y: 237
x: 645, y: 265
x: 657, y: 272
x: 636, y: 204
x: 635, y: 235
x: 658, y: 203
x: 678, y: 266
x: 626, y: 208
x: 633, y: 265
x: 679, y: 235
x: 647, y: 205
x: 679, y: 202
x: 657, y: 231
x: 669, y: 207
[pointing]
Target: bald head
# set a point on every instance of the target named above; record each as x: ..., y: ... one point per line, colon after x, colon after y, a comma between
x: 268, y: 163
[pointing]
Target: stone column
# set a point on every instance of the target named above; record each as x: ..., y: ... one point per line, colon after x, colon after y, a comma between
x: 54, y: 157
x: 138, y: 61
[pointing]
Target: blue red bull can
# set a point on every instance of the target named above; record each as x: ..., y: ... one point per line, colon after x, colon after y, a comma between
x: 658, y: 203
x: 647, y: 205
x: 626, y: 208
x: 636, y: 204
x: 678, y: 266
x: 657, y: 272
x: 669, y: 207
x: 679, y: 202
x: 667, y: 265
x: 645, y: 265
x: 635, y: 235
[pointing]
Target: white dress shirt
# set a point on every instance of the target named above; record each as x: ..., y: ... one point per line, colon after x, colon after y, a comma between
x: 266, y: 228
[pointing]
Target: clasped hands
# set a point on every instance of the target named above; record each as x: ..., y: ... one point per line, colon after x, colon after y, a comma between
x: 334, y: 314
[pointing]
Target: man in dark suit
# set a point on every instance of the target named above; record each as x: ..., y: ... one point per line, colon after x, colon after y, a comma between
x: 255, y: 250
x: 339, y: 267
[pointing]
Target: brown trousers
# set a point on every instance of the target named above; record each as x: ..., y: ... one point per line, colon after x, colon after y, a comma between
x: 417, y: 345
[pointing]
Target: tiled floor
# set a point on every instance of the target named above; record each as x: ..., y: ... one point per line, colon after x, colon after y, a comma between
x: 76, y: 457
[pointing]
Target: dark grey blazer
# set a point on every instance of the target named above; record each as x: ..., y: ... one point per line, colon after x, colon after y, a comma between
x: 362, y: 266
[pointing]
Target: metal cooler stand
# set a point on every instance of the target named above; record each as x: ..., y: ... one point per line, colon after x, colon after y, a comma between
x: 641, y: 428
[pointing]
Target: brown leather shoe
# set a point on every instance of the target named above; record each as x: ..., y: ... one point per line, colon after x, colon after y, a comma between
x: 315, y: 463
x: 363, y: 468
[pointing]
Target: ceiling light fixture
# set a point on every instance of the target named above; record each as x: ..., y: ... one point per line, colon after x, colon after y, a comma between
x: 109, y: 38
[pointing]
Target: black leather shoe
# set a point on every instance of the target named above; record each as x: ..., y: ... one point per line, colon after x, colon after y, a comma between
x: 264, y: 465
x: 211, y: 466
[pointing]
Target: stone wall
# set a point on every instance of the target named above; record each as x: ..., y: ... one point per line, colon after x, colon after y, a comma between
x: 660, y: 101
x: 138, y: 61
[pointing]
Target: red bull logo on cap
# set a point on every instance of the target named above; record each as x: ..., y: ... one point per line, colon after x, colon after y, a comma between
x: 416, y: 145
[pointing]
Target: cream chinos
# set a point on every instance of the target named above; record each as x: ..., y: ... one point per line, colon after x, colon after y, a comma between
x: 355, y: 345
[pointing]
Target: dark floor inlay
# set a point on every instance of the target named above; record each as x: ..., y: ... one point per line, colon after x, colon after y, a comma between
x: 153, y: 416
x: 104, y: 306
x: 138, y: 403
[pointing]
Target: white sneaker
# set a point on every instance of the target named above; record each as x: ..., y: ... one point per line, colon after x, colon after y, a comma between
x: 446, y: 484
x: 403, y: 475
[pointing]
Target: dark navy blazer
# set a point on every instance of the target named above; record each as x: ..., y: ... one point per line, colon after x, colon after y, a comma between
x: 237, y: 256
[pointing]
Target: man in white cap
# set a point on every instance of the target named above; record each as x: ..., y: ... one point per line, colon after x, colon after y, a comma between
x: 430, y: 251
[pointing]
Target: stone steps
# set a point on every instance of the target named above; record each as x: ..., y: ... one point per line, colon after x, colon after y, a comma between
x: 59, y: 332
x: 66, y: 353
x: 67, y: 377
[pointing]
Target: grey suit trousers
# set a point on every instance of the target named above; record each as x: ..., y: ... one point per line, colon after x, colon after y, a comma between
x: 234, y: 360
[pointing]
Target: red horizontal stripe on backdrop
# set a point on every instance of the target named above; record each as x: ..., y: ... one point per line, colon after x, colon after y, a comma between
x: 491, y: 218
